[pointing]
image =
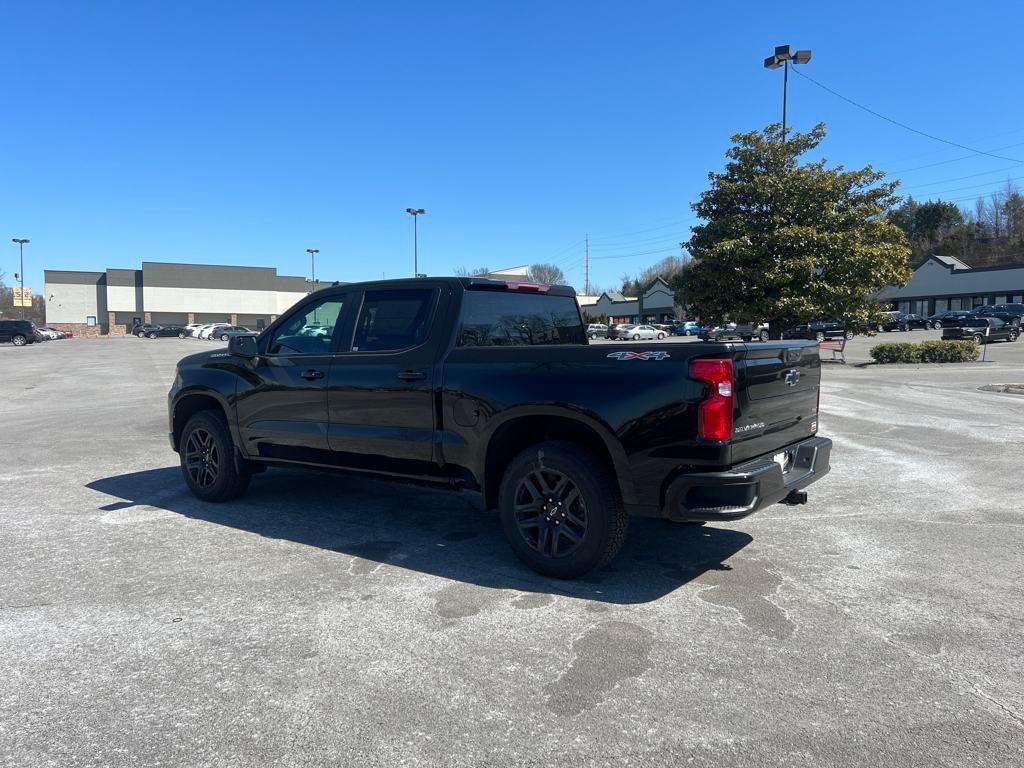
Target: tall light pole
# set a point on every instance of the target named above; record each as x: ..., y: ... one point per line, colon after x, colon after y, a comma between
x: 415, y: 213
x: 783, y: 55
x: 21, y: 263
x: 312, y: 265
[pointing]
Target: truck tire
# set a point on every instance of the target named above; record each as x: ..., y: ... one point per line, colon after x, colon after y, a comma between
x: 208, y: 459
x: 561, y: 510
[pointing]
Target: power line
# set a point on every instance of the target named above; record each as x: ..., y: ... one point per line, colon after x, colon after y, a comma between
x: 977, y: 186
x: 639, y: 253
x: 960, y: 178
x: 954, y: 160
x: 903, y: 125
x: 643, y: 231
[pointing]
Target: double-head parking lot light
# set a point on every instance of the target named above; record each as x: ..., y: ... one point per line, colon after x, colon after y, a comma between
x: 781, y: 58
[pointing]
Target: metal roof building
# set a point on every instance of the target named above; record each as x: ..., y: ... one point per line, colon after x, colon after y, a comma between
x: 946, y: 282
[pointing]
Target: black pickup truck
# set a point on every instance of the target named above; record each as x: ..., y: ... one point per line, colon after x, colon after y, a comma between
x: 492, y: 387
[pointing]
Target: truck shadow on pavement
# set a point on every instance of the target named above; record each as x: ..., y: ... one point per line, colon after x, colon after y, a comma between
x: 431, y: 531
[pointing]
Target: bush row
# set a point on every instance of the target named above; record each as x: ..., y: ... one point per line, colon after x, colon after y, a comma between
x: 926, y: 352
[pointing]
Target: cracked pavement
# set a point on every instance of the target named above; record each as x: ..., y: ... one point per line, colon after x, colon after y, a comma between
x: 327, y: 620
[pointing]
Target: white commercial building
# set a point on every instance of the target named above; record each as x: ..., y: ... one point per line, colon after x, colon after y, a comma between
x: 110, y: 302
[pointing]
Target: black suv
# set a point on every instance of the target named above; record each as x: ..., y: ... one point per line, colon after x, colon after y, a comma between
x: 819, y: 330
x: 18, y: 332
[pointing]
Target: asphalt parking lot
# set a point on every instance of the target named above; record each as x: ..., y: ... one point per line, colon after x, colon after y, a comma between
x: 334, y: 621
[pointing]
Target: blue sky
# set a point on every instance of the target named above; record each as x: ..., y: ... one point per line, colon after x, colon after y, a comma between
x: 243, y: 133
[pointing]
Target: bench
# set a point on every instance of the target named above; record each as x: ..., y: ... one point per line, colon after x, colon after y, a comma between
x: 838, y: 348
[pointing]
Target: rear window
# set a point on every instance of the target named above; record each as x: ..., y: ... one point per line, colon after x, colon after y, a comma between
x: 512, y: 319
x: 974, y: 323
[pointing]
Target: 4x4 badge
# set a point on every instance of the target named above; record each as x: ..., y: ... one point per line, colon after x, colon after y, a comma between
x: 639, y: 355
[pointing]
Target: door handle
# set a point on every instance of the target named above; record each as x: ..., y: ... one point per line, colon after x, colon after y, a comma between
x: 412, y: 375
x: 312, y: 374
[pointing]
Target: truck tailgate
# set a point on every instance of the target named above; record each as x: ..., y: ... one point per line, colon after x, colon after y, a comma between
x: 777, y: 396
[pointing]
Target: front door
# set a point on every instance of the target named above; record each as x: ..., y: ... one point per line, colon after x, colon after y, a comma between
x: 282, y: 405
x: 380, y: 401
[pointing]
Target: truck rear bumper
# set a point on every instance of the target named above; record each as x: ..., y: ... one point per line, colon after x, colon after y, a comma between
x: 746, y: 488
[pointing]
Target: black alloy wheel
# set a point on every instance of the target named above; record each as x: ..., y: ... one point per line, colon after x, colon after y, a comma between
x: 202, y: 459
x: 561, y: 509
x: 550, y: 513
x: 209, y: 464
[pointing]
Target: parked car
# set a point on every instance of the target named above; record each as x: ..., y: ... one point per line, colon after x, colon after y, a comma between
x: 819, y: 330
x: 226, y: 332
x: 1008, y: 313
x: 688, y: 328
x: 677, y: 432
x: 164, y: 331
x: 597, y: 331
x: 192, y: 328
x: 142, y: 329
x: 49, y: 333
x: 637, y: 332
x: 902, y: 321
x: 947, y: 318
x: 208, y: 331
x: 19, y: 332
x: 665, y: 327
x: 982, y: 330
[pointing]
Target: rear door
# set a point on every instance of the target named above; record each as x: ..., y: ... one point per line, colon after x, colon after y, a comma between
x: 380, y: 399
x: 777, y: 396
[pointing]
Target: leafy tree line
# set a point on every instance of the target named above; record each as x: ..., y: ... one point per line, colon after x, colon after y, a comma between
x: 990, y: 233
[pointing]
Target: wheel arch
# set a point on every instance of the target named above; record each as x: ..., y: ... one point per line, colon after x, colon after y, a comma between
x: 190, y: 402
x: 520, y: 429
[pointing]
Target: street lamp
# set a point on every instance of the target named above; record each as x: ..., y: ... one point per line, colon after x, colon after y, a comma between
x: 312, y: 264
x: 21, y: 275
x: 415, y: 212
x: 783, y: 55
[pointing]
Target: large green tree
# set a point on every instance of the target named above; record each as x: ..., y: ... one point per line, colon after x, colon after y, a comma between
x: 786, y: 241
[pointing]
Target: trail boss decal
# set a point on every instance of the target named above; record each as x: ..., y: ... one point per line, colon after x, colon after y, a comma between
x: 639, y: 355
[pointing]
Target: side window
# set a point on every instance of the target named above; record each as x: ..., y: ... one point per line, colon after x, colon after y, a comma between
x: 513, y: 319
x: 392, y: 320
x: 308, y: 332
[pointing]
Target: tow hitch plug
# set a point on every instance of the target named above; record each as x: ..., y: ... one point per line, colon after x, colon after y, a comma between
x: 795, y: 497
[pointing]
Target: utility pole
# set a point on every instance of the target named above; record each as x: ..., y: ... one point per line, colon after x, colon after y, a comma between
x: 21, y: 263
x: 586, y: 264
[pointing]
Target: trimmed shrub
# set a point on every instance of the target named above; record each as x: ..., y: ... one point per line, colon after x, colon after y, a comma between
x: 926, y: 352
x: 899, y: 352
x: 949, y: 351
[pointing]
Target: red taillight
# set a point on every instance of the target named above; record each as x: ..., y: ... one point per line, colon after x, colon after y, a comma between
x: 714, y: 414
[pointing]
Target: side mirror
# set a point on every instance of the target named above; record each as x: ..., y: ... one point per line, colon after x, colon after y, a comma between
x: 243, y: 346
